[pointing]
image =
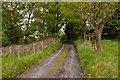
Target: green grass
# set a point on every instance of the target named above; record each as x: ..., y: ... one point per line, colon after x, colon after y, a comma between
x: 99, y: 65
x: 0, y: 67
x: 12, y: 67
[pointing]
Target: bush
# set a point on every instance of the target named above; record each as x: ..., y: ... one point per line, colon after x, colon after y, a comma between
x: 5, y: 40
x: 63, y: 37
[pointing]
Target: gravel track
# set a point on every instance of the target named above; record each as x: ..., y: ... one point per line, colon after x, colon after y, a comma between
x: 41, y: 71
x: 70, y: 69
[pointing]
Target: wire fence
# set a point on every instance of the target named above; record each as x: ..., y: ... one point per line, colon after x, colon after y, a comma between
x: 25, y: 48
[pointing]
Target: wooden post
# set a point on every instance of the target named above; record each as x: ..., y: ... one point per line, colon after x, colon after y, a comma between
x: 25, y: 50
x: 34, y: 47
x: 39, y: 46
x: 42, y: 45
x: 18, y: 53
x: 10, y: 50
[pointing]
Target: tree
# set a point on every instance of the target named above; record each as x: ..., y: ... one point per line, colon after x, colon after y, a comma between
x: 28, y: 11
x: 114, y: 24
x: 39, y: 19
x: 82, y: 12
x: 100, y: 14
x: 72, y: 33
x: 53, y: 18
x: 11, y: 23
x: 78, y: 12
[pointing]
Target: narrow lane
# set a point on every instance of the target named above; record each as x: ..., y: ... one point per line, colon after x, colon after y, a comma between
x: 42, y: 70
x: 70, y: 69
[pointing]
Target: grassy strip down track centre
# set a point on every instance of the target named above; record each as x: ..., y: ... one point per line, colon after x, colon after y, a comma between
x: 99, y: 65
x: 12, y: 67
x: 60, y: 61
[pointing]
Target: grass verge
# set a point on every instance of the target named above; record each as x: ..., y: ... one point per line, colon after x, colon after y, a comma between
x: 99, y: 65
x: 12, y: 67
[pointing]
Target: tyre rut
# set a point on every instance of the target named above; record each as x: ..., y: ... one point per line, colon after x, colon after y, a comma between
x: 71, y: 68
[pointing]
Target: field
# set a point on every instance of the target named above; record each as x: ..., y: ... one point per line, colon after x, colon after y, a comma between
x: 99, y: 65
x: 12, y: 67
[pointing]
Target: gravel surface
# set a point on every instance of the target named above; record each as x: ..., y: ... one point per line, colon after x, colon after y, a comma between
x: 41, y: 71
x: 70, y: 69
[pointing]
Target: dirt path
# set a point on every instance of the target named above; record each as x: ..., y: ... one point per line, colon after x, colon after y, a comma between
x: 70, y: 69
x: 41, y: 71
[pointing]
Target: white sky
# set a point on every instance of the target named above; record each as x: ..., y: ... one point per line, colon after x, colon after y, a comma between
x: 63, y: 28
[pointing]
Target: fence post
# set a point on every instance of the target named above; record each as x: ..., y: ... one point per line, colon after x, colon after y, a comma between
x: 18, y: 52
x: 39, y: 47
x: 10, y: 50
x: 25, y: 50
x: 42, y: 45
x: 34, y: 47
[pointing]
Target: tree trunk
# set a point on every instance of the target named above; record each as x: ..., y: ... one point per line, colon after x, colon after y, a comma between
x: 84, y: 36
x: 84, y: 32
x: 39, y: 35
x: 93, y: 42
x: 98, y: 40
x: 89, y: 38
x: 27, y: 28
x: 25, y: 39
x: 10, y: 50
x: 43, y: 29
x: 18, y: 53
x: 43, y: 35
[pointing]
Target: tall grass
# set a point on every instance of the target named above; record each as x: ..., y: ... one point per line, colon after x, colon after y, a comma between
x: 12, y: 67
x: 99, y: 65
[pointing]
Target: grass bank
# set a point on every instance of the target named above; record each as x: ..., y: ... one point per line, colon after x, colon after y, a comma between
x: 99, y: 65
x: 12, y: 67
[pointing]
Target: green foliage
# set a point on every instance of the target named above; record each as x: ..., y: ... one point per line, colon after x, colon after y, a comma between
x: 99, y: 65
x: 11, y: 19
x: 54, y: 18
x: 12, y: 67
x: 21, y: 20
x: 63, y: 37
x: 50, y: 14
x: 114, y: 22
x: 56, y: 35
x: 5, y: 40
x: 71, y: 30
